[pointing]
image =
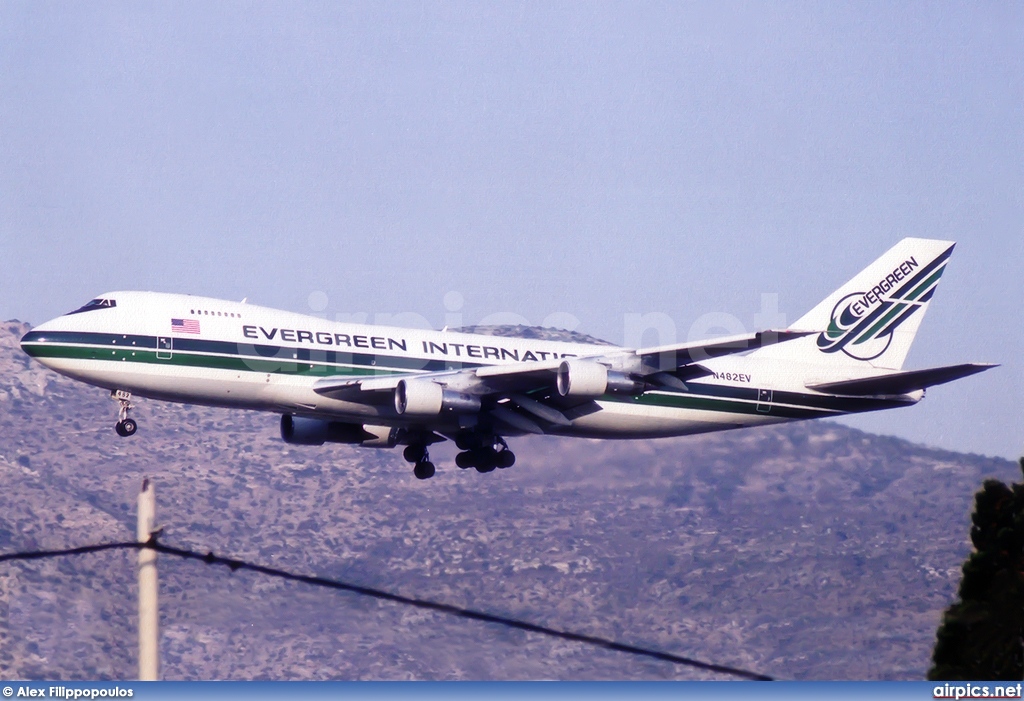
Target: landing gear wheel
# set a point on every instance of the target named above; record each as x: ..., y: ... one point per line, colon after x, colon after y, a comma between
x: 417, y: 453
x: 484, y: 460
x: 485, y: 452
x: 423, y: 470
x: 125, y: 427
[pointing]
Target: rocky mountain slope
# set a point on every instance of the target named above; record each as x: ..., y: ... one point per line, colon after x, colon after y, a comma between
x: 810, y: 551
x: 539, y: 332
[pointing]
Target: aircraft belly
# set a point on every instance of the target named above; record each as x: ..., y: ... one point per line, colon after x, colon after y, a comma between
x: 628, y: 420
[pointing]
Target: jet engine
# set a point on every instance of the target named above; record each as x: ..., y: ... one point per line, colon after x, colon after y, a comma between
x: 427, y: 398
x: 585, y: 378
x: 299, y: 430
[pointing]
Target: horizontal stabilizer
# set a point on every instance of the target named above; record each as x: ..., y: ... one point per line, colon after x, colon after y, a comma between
x: 901, y: 382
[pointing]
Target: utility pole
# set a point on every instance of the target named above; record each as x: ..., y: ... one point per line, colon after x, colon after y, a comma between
x: 149, y: 613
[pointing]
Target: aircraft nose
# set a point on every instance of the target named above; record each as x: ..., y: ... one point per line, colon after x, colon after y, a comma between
x: 34, y: 342
x: 29, y: 341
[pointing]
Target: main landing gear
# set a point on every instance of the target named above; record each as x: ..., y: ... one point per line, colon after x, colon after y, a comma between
x: 480, y: 449
x: 417, y: 453
x: 125, y: 426
x: 484, y: 454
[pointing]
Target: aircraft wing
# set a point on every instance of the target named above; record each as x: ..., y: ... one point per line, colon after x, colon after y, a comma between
x: 683, y: 354
x: 659, y: 365
x: 901, y: 382
x: 485, y: 380
x: 504, y: 388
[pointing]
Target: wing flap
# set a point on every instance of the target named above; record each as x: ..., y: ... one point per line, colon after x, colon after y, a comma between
x: 539, y: 366
x: 363, y: 390
x: 540, y: 410
x: 901, y: 382
x: 516, y: 420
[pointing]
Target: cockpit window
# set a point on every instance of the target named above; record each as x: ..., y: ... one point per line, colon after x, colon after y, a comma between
x: 94, y: 304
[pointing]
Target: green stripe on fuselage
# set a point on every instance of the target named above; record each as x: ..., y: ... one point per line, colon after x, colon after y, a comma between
x: 298, y: 354
x: 720, y: 404
x: 216, y: 362
x: 702, y: 397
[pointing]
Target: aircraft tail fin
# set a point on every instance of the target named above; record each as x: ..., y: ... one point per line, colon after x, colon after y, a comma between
x: 871, y: 321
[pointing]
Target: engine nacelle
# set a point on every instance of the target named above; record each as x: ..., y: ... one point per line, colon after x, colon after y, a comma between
x: 582, y: 378
x: 585, y: 378
x: 427, y: 398
x: 299, y: 430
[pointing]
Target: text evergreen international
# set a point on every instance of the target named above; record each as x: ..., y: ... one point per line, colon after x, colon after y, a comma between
x: 448, y: 348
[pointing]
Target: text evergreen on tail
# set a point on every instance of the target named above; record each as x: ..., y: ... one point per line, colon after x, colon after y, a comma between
x: 871, y: 321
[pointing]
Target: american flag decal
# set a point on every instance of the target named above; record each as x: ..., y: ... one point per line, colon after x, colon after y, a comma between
x: 185, y: 325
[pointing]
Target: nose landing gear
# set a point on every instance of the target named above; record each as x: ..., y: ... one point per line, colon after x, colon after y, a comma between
x: 125, y: 426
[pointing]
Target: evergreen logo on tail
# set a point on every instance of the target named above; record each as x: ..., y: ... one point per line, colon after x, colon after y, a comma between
x: 862, y: 323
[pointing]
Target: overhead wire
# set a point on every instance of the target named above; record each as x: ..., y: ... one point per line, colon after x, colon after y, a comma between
x: 235, y: 564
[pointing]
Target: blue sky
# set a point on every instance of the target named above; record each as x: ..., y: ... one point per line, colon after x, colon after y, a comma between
x: 584, y: 160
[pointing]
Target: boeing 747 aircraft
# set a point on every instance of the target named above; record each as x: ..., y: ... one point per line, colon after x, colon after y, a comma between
x: 382, y: 387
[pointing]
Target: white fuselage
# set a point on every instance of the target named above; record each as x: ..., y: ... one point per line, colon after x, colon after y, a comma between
x: 199, y: 350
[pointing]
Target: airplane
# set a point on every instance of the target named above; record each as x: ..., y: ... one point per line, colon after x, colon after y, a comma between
x: 382, y: 387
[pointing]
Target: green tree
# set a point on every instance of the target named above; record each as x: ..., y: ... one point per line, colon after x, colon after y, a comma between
x: 982, y: 634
